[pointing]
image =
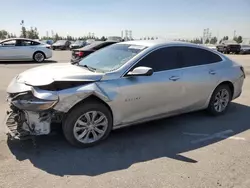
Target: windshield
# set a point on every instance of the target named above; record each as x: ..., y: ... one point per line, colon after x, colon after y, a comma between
x: 78, y: 42
x: 60, y: 42
x: 245, y: 46
x: 111, y: 57
x: 230, y: 42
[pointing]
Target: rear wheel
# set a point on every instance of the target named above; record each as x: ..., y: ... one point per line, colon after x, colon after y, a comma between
x: 220, y: 100
x: 88, y: 124
x: 39, y: 57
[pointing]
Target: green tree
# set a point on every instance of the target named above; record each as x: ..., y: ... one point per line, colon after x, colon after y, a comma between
x: 23, y: 32
x: 103, y: 38
x: 11, y: 35
x: 239, y: 39
x: 3, y: 34
x: 225, y: 38
x: 57, y: 37
x: 207, y: 41
x: 213, y: 40
x: 32, y: 33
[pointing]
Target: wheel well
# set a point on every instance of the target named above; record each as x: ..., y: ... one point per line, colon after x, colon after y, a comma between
x: 39, y: 52
x: 230, y: 85
x: 92, y: 98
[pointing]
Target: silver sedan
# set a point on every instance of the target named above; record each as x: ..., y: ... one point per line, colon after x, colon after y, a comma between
x: 124, y: 84
x: 16, y: 49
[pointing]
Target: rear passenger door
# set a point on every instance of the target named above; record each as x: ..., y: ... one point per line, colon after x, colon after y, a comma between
x: 199, y: 75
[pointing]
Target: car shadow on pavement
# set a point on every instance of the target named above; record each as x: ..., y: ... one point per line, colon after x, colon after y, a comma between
x: 25, y: 62
x: 157, y: 139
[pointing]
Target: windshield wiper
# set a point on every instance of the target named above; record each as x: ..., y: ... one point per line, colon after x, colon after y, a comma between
x: 92, y: 69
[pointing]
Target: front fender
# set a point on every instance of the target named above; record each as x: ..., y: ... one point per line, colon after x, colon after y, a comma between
x: 70, y: 97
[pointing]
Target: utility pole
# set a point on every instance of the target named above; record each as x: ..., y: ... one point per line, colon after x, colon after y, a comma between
x: 234, y: 33
x: 52, y: 33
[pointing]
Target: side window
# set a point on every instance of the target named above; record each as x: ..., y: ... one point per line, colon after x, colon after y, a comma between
x: 34, y: 43
x: 192, y: 56
x: 9, y: 43
x: 28, y: 43
x: 161, y: 60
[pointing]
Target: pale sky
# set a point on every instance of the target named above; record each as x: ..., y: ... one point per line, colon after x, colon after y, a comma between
x: 164, y: 18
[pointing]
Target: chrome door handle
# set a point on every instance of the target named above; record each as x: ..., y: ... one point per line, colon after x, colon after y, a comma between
x: 212, y: 72
x: 174, y: 78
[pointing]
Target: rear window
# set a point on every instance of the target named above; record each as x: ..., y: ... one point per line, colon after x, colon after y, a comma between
x: 91, y: 46
x: 196, y: 56
x: 61, y: 42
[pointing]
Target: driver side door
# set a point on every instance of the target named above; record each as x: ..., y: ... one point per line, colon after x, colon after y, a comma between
x: 146, y: 97
x: 8, y: 50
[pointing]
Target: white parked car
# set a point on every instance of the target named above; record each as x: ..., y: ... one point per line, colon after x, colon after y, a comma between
x: 17, y: 49
x: 211, y: 46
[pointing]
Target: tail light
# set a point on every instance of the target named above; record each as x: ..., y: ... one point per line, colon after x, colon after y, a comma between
x: 242, y: 69
x: 80, y: 54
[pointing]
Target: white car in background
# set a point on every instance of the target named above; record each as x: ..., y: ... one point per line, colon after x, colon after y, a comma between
x: 17, y: 49
x: 211, y: 46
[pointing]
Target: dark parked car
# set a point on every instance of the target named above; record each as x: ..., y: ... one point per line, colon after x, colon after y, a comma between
x: 245, y: 49
x: 77, y: 44
x: 228, y: 46
x: 61, y: 44
x: 78, y: 54
x: 115, y: 38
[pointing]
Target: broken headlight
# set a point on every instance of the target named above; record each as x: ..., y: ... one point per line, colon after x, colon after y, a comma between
x: 27, y: 101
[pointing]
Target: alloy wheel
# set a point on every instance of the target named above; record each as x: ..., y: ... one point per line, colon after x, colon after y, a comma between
x: 221, y: 100
x: 90, y: 127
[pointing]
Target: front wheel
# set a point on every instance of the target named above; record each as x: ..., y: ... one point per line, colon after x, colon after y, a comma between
x: 88, y: 124
x: 220, y: 100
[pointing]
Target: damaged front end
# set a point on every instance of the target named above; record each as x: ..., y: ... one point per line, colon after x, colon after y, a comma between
x: 29, y: 115
x: 37, y: 103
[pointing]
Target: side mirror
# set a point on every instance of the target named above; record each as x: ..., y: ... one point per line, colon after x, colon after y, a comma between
x: 141, y: 71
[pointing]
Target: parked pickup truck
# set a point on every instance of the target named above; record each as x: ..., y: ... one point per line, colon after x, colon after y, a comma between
x: 228, y: 46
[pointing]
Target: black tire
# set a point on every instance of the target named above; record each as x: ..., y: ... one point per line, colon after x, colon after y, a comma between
x: 39, y: 57
x: 211, y: 107
x: 78, y: 111
x: 53, y: 48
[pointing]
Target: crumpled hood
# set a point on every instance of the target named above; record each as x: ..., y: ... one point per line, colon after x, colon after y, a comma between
x: 44, y: 75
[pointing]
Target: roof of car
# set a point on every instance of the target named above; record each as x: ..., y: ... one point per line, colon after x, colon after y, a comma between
x: 19, y: 39
x: 149, y: 43
x: 94, y: 44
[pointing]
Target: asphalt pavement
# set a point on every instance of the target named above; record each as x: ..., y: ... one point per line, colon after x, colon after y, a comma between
x: 192, y: 150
